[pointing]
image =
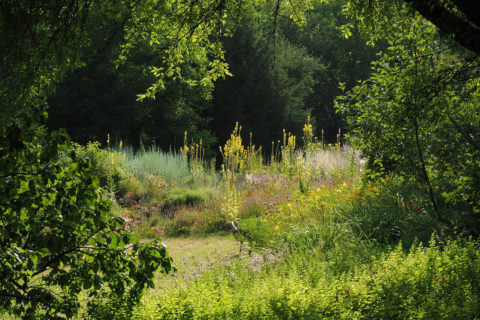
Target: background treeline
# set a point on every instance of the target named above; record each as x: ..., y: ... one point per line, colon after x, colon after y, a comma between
x: 281, y: 73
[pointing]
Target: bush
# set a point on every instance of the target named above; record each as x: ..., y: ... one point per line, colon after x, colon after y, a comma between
x: 435, y: 282
x: 256, y: 232
x: 108, y: 166
x: 59, y: 240
x: 186, y: 197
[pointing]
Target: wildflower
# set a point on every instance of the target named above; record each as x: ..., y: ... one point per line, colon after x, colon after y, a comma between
x: 264, y: 203
x: 287, y: 197
x: 447, y: 164
x: 267, y: 212
x: 277, y: 227
x: 417, y: 209
x: 409, y: 203
x: 297, y: 199
x: 277, y: 196
x: 400, y: 205
x: 274, y: 203
x: 437, y: 187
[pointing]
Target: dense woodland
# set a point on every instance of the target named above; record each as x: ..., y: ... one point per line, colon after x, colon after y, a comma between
x: 321, y: 159
x: 279, y: 74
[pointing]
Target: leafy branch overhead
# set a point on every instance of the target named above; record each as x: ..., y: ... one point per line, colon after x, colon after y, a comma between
x: 457, y: 19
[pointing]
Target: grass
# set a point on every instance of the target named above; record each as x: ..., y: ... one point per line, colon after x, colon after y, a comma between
x: 331, y: 161
x: 171, y: 166
x: 195, y: 255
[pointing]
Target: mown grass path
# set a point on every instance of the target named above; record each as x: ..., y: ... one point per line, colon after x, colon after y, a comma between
x: 194, y: 255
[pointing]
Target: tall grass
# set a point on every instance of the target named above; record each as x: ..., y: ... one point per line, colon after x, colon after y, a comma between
x: 172, y: 166
x: 332, y: 160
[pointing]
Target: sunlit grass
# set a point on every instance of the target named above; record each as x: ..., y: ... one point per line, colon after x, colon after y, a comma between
x: 331, y: 160
x: 171, y: 166
x: 195, y: 255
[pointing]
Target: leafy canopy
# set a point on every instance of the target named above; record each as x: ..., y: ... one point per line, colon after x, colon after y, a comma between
x: 417, y: 115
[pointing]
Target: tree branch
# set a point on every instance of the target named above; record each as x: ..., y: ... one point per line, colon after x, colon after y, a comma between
x: 464, y: 33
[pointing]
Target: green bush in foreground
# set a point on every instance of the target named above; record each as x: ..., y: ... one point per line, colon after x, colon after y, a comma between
x: 427, y: 283
x: 61, y: 249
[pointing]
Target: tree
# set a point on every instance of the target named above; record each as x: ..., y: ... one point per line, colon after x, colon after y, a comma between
x: 101, y: 98
x: 457, y: 19
x: 417, y: 115
x: 268, y: 87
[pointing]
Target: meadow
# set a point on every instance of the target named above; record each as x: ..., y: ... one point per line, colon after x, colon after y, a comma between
x: 303, y: 234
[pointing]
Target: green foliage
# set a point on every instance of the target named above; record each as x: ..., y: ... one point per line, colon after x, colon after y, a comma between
x: 57, y: 236
x: 410, y: 117
x: 343, y: 60
x: 255, y: 231
x: 453, y: 18
x: 114, y: 107
x: 187, y: 197
x: 271, y: 81
x: 173, y: 167
x: 107, y: 165
x: 425, y: 283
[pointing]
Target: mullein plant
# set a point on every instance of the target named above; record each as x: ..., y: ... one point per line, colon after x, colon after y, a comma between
x: 195, y: 155
x: 236, y: 159
x: 288, y: 154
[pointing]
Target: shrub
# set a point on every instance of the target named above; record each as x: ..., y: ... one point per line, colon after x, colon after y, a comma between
x: 255, y: 231
x: 109, y: 166
x: 435, y: 282
x: 186, y: 197
x: 58, y: 237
